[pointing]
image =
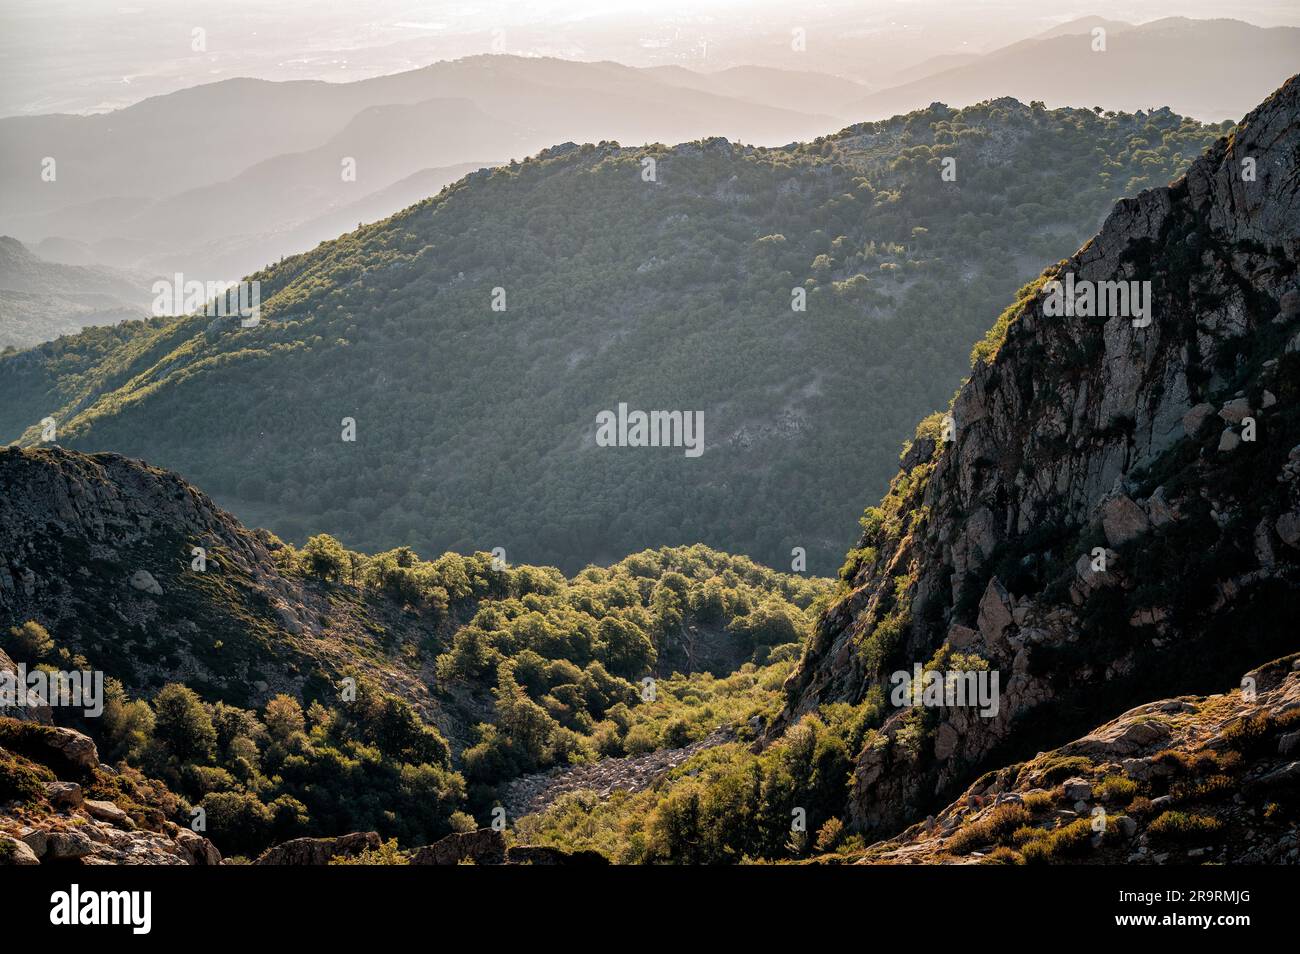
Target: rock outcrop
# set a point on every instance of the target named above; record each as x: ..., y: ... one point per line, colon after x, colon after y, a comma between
x: 75, y: 810
x: 318, y: 851
x: 1191, y: 780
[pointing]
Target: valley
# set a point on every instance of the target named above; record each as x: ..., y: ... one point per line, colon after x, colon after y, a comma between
x: 413, y: 548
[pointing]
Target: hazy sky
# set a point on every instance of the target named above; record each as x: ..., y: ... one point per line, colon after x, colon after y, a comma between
x: 81, y: 55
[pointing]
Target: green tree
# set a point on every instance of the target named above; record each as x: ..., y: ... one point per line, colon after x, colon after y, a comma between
x: 182, y: 724
x: 30, y: 642
x: 324, y: 558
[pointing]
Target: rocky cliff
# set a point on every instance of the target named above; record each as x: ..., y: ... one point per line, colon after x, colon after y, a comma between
x: 153, y: 582
x: 1111, y: 510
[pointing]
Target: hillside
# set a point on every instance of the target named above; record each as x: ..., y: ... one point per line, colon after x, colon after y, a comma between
x: 1081, y: 433
x: 227, y: 669
x: 666, y: 294
x: 654, y: 711
x: 41, y: 299
x: 1208, y: 780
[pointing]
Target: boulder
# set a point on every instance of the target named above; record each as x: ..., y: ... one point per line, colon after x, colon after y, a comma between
x: 65, y: 845
x: 1229, y: 441
x: 1123, y: 520
x: 68, y: 752
x: 64, y: 796
x: 1288, y: 528
x: 1077, y: 789
x: 108, y: 812
x: 1235, y: 411
x: 198, y: 849
x: 487, y: 846
x: 143, y: 581
x: 318, y: 851
x: 15, y: 852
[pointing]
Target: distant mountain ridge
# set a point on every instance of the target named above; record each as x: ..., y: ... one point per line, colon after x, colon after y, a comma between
x: 1209, y: 69
x: 163, y: 207
x: 41, y: 299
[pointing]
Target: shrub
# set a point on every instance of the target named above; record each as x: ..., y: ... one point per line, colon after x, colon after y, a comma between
x: 1140, y: 806
x: 183, y: 725
x: 1180, y: 827
x: 30, y: 642
x: 1003, y: 856
x: 21, y: 780
x: 1061, y: 843
x: 462, y: 822
x: 1059, y: 769
x: 1038, y: 801
x: 1114, y: 788
x: 828, y: 838
x: 386, y: 854
x: 995, y: 826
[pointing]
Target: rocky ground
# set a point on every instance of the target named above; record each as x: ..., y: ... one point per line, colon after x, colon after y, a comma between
x: 533, y: 793
x: 107, y: 818
x: 1193, y: 780
x: 82, y: 811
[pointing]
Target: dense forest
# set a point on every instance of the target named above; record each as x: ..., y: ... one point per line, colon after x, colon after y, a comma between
x: 665, y: 285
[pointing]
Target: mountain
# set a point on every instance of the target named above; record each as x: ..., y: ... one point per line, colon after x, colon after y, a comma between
x: 1108, y: 515
x: 1112, y: 528
x: 1210, y: 69
x: 164, y: 207
x: 476, y: 428
x: 245, y: 254
x: 769, y: 86
x: 40, y: 299
x: 1117, y: 515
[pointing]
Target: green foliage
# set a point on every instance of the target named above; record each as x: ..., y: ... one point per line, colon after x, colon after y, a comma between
x: 29, y: 643
x: 21, y: 780
x: 1115, y: 788
x: 387, y: 853
x: 183, y: 725
x: 1059, y: 844
x: 324, y: 557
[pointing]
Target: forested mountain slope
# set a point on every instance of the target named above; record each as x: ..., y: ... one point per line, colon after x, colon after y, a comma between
x: 475, y: 427
x: 1111, y: 528
x: 322, y: 691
